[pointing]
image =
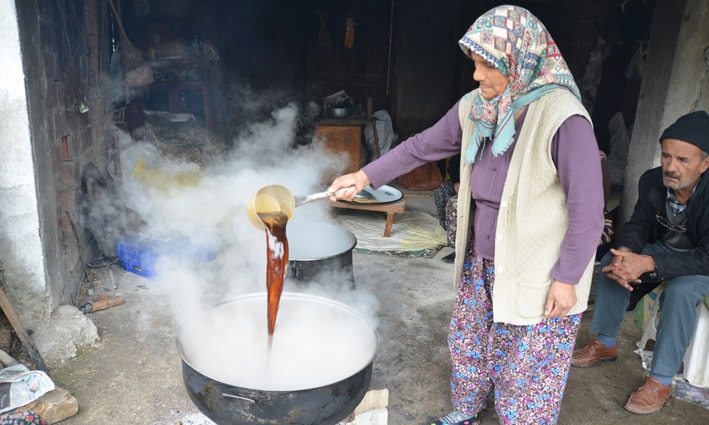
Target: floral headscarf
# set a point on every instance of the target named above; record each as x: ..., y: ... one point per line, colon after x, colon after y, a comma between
x: 518, y: 45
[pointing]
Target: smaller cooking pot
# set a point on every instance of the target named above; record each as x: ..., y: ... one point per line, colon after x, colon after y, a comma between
x: 320, y: 251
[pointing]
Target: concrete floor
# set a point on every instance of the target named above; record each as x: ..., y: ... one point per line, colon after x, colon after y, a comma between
x: 133, y: 376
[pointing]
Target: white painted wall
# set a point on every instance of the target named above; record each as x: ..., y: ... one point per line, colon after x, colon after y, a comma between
x: 21, y: 254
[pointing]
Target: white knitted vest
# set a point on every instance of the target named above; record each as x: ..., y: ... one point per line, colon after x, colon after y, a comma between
x: 532, y: 220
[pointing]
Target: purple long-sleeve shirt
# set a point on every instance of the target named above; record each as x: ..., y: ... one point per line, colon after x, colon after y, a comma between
x: 574, y: 152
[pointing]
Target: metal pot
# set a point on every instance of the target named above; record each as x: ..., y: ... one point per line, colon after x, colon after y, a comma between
x: 319, y: 250
x: 338, y: 112
x: 269, y: 394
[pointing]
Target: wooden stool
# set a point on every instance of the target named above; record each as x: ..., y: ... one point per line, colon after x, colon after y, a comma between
x: 390, y: 208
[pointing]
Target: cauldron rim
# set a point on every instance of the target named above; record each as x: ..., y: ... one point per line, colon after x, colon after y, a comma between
x: 262, y: 407
x: 285, y: 294
x: 371, y: 361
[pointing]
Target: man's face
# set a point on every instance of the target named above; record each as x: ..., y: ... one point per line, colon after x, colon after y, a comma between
x: 682, y: 164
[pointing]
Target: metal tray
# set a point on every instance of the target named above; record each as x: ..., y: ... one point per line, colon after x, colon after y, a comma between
x: 384, y: 195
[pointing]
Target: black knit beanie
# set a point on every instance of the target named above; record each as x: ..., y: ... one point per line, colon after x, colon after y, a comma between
x: 691, y: 128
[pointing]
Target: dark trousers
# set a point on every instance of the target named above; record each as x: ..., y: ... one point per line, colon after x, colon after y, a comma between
x: 678, y: 312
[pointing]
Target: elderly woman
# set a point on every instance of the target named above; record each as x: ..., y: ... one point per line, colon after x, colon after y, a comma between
x: 530, y: 214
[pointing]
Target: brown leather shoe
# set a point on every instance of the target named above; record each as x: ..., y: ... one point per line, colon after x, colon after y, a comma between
x: 593, y: 353
x: 649, y: 398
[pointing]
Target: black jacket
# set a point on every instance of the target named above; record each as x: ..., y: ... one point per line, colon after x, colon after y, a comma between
x: 643, y: 227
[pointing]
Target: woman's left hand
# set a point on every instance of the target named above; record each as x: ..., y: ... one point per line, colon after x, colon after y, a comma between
x: 561, y: 297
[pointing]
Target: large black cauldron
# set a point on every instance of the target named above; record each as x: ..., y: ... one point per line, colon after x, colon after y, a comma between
x: 227, y: 402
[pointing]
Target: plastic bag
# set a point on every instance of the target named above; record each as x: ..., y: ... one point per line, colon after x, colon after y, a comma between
x: 20, y: 386
x: 636, y: 66
x: 592, y: 75
x: 619, y: 145
x: 385, y: 133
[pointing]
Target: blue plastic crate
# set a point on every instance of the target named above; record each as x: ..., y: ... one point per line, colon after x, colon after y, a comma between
x: 139, y: 254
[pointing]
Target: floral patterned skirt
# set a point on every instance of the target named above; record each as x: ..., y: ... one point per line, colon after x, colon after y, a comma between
x: 525, y: 366
x: 24, y: 417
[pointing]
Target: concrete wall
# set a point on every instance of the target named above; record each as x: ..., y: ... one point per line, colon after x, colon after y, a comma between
x: 676, y: 81
x: 51, y: 65
x: 21, y: 250
x: 48, y: 71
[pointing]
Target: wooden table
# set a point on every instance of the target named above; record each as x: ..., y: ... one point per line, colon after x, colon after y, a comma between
x: 390, y: 208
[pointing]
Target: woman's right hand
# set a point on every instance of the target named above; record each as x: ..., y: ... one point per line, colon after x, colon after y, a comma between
x: 357, y: 180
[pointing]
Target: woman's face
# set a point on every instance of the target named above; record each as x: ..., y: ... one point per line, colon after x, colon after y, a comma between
x: 492, y: 82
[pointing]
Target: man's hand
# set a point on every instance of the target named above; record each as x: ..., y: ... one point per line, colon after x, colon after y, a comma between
x: 627, y: 267
x: 561, y: 297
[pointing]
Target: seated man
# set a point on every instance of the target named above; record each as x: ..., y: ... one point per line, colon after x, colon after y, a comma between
x: 666, y: 239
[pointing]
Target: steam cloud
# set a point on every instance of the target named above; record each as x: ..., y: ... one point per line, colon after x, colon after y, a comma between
x: 208, y: 206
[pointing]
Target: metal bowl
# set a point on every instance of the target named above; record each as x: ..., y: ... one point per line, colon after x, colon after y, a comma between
x: 338, y: 112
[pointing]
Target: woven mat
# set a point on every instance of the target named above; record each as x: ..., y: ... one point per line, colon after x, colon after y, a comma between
x: 414, y: 233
